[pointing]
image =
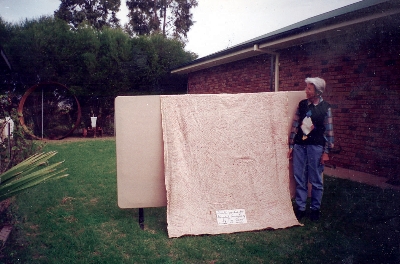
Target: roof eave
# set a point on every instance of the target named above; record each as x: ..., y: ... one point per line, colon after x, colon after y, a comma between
x: 281, y: 39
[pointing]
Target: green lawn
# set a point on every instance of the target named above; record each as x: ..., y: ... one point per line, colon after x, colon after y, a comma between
x: 77, y: 220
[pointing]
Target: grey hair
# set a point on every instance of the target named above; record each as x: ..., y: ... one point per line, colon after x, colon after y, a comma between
x: 319, y: 84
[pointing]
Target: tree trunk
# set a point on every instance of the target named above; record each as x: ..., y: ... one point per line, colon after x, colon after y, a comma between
x: 165, y: 17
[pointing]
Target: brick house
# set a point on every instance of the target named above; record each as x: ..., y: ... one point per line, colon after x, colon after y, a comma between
x: 356, y: 49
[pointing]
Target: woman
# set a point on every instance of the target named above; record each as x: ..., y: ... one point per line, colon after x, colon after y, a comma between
x: 310, y: 140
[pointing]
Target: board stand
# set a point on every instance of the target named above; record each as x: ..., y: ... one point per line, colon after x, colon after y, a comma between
x: 141, y: 218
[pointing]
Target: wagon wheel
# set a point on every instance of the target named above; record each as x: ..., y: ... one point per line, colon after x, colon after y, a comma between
x: 49, y: 110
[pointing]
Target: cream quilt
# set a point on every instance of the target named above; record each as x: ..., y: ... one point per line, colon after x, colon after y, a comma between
x: 225, y: 163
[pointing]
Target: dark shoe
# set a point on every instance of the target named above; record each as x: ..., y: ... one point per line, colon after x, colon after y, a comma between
x: 299, y: 214
x: 314, y: 216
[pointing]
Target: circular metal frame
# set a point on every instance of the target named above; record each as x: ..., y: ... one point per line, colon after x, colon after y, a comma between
x: 31, y: 90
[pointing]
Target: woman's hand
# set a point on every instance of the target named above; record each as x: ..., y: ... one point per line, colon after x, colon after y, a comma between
x: 289, y: 155
x: 324, y: 158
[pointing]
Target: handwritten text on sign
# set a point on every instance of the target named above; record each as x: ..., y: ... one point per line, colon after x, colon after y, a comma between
x: 231, y: 217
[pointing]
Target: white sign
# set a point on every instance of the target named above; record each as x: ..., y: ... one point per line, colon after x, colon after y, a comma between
x: 231, y: 217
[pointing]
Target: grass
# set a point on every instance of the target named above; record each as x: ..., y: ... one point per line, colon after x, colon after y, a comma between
x: 77, y: 220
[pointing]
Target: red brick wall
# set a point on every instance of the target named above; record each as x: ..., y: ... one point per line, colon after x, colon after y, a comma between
x: 246, y: 76
x: 363, y: 86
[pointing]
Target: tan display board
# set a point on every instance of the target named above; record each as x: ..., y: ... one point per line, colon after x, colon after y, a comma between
x: 140, y: 158
x: 140, y: 151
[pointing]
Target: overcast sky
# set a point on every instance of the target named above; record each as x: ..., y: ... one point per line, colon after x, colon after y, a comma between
x: 219, y: 24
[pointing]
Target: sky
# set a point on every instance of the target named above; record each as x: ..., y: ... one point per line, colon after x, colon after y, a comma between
x: 219, y: 24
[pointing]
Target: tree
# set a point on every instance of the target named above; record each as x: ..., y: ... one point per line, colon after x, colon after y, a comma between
x: 98, y: 13
x: 5, y: 32
x: 40, y: 50
x: 171, y: 17
x: 160, y: 56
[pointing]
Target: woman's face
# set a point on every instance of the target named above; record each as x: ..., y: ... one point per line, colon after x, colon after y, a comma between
x: 310, y: 91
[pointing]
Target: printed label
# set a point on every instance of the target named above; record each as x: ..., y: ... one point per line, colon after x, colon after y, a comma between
x: 231, y: 217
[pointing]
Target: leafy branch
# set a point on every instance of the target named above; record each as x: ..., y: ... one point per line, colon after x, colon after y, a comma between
x: 28, y: 173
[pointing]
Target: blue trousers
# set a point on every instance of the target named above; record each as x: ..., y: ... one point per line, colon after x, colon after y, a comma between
x: 307, y: 167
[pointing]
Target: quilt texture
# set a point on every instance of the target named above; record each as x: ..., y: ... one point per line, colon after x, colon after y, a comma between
x: 225, y: 163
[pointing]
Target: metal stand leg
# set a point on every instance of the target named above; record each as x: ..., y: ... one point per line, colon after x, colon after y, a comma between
x: 141, y: 218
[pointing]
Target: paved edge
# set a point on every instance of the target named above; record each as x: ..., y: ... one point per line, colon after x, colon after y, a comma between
x: 360, y: 177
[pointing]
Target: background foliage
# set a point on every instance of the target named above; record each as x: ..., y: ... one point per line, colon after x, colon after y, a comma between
x: 95, y: 64
x: 14, y: 148
x: 97, y: 12
x: 171, y: 17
